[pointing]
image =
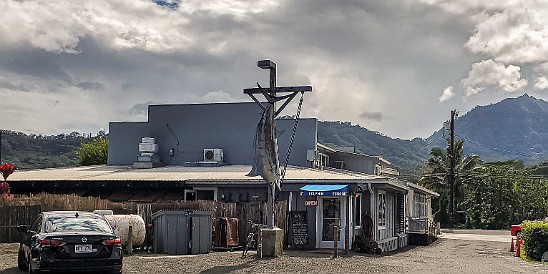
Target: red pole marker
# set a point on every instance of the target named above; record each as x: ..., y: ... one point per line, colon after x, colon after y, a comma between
x: 512, y: 245
x: 518, y: 249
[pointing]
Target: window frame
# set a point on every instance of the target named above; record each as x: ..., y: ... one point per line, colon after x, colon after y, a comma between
x: 420, y: 204
x: 381, y: 209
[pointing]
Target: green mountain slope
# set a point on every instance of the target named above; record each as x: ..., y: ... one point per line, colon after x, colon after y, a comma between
x: 513, y: 129
x: 39, y: 151
x: 407, y: 155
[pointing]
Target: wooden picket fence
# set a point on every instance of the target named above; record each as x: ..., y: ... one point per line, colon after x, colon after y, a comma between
x: 23, y: 209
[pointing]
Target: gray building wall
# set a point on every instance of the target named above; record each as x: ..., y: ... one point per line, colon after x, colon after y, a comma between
x: 190, y: 128
x: 355, y: 162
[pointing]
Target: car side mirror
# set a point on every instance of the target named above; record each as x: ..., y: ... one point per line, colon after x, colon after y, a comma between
x: 22, y: 229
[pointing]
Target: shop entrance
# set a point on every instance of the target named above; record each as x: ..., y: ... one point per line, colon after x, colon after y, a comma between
x: 331, y: 211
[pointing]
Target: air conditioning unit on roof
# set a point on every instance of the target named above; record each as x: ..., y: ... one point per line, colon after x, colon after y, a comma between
x: 213, y: 155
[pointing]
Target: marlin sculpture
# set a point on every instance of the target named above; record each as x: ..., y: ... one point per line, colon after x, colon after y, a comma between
x: 265, y: 160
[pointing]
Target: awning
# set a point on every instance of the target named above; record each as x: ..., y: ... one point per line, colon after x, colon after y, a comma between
x: 324, y: 190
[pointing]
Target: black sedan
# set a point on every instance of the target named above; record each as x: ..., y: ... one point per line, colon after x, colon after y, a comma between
x: 70, y: 241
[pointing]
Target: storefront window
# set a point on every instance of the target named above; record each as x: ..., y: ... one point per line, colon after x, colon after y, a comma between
x: 382, y: 209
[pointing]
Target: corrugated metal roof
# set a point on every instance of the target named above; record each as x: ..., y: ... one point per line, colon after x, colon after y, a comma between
x: 181, y: 173
x: 423, y: 189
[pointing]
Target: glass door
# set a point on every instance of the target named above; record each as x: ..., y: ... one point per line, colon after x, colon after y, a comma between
x: 331, y: 213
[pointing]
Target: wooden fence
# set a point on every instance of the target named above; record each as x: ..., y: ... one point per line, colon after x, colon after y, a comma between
x: 13, y: 215
x: 23, y: 210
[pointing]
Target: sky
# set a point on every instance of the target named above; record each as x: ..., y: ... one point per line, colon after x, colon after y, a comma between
x: 396, y: 67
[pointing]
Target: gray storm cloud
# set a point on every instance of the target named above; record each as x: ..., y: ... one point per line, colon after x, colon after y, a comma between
x: 104, y: 60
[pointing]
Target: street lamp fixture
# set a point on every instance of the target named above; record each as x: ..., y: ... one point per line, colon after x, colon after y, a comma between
x: 266, y: 64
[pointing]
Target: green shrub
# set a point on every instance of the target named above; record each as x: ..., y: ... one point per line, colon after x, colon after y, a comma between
x: 94, y: 153
x: 535, y: 237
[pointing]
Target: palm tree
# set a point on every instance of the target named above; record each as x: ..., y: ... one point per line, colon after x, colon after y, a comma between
x: 441, y: 177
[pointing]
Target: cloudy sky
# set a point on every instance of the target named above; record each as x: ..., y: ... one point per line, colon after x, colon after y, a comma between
x: 397, y: 67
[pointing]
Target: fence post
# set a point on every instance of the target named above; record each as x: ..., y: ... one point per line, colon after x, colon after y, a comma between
x: 10, y: 213
x: 335, y: 241
x: 259, y: 242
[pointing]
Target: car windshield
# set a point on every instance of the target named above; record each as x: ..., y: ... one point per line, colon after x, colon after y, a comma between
x: 76, y: 224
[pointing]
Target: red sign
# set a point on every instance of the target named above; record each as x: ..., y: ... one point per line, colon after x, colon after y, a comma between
x: 311, y: 203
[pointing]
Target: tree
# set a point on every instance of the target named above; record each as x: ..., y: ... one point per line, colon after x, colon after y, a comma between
x: 94, y: 153
x: 438, y: 173
x: 501, y: 194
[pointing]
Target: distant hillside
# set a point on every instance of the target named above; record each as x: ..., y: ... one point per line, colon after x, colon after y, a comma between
x: 513, y: 129
x: 39, y: 151
x: 406, y: 155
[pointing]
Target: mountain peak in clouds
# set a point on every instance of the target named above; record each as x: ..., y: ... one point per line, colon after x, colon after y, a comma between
x: 514, y: 128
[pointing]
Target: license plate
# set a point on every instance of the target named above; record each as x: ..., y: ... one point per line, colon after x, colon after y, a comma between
x: 83, y: 249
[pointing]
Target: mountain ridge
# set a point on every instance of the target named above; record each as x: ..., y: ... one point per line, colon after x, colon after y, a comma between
x: 512, y: 129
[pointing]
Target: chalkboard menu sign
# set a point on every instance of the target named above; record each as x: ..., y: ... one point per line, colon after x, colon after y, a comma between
x: 299, y: 227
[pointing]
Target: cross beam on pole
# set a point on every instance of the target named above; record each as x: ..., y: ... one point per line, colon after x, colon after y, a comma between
x: 273, y: 98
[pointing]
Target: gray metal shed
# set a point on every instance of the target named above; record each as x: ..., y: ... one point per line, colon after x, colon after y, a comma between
x: 182, y: 232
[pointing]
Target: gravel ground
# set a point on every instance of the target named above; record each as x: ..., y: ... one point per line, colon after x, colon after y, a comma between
x: 443, y: 256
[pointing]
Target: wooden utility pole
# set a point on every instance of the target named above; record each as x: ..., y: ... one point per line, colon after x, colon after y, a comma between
x: 452, y: 159
x: 271, y: 98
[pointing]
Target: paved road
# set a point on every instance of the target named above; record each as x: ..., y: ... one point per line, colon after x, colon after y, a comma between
x: 477, y: 235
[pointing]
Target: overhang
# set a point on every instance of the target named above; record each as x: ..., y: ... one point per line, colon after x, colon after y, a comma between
x: 324, y: 190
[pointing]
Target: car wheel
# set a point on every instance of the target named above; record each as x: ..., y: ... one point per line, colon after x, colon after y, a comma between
x: 21, y: 262
x: 32, y: 271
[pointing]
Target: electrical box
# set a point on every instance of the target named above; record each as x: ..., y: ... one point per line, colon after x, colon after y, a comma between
x: 311, y: 155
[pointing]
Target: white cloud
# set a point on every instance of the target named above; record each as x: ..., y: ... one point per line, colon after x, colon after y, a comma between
x: 517, y: 34
x: 489, y: 73
x: 52, y: 113
x: 478, y: 10
x: 374, y: 63
x: 447, y: 94
x: 541, y: 83
x: 217, y: 96
x: 59, y: 26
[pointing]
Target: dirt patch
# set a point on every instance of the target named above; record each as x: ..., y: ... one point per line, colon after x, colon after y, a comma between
x: 443, y: 256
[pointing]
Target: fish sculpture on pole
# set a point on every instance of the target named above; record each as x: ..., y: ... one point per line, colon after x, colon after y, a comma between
x: 265, y: 160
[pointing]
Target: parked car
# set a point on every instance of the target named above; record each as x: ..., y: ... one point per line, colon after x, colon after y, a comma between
x: 71, y: 241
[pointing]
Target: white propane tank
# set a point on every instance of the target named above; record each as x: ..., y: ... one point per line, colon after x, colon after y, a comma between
x: 103, y: 212
x: 121, y: 225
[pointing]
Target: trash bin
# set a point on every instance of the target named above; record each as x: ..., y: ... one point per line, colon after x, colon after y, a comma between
x: 182, y: 232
